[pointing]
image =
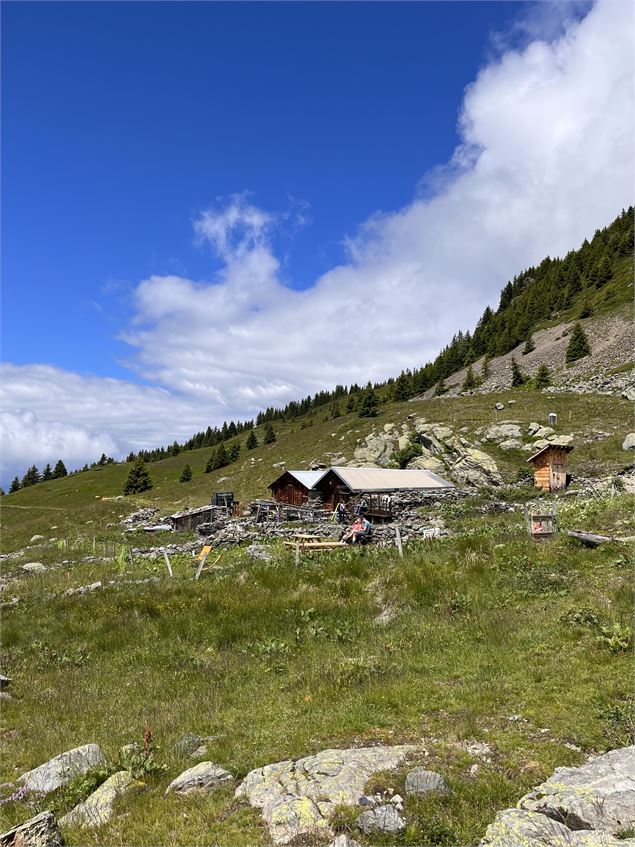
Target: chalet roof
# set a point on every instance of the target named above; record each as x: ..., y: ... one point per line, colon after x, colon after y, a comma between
x: 387, y: 479
x: 561, y: 445
x: 306, y: 478
x: 194, y: 511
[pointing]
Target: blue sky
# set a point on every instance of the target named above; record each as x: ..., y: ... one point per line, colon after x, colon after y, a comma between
x: 186, y: 184
x: 123, y: 120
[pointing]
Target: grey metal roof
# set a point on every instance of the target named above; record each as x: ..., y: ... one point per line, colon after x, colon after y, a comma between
x: 306, y: 478
x: 387, y: 479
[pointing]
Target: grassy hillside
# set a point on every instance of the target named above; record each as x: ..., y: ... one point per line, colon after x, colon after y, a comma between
x: 275, y: 661
x: 73, y: 507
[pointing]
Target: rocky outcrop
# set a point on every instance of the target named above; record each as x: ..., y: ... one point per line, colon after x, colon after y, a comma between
x: 62, y: 769
x: 421, y: 781
x: 629, y: 442
x: 202, y: 778
x: 381, y: 819
x: 599, y: 795
x: 587, y: 806
x: 98, y: 808
x: 40, y: 831
x: 298, y: 797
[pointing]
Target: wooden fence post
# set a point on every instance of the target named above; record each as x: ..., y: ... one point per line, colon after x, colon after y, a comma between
x: 297, y: 553
x: 200, y: 566
x: 167, y: 562
x: 398, y: 540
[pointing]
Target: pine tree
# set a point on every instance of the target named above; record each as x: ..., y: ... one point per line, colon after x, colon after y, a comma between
x: 138, y: 479
x: 369, y: 403
x: 60, y: 470
x: 221, y: 459
x: 186, y: 474
x: 47, y: 473
x: 335, y: 411
x: 270, y: 435
x: 211, y: 462
x: 518, y: 378
x: 15, y: 486
x: 350, y: 404
x: 233, y: 453
x: 543, y: 377
x: 470, y: 382
x: 485, y: 370
x: 529, y: 345
x: 252, y: 441
x: 402, y: 387
x: 31, y: 477
x: 578, y: 346
x: 604, y: 271
x: 440, y: 389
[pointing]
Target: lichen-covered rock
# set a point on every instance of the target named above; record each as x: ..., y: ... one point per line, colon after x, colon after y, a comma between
x: 98, y: 808
x: 421, y: 781
x: 62, y: 769
x: 502, y: 432
x: 34, y: 567
x: 202, y: 778
x: 298, y: 798
x: 381, y: 819
x: 40, y: 831
x: 544, y: 432
x: 344, y: 841
x: 599, y: 795
x: 511, y: 444
x: 517, y: 828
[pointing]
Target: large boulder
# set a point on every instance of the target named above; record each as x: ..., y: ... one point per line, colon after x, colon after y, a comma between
x: 62, y: 769
x: 599, y: 795
x: 517, y: 828
x: 202, y: 778
x: 298, y: 797
x: 502, y: 432
x: 98, y: 808
x: 40, y: 831
x: 476, y: 468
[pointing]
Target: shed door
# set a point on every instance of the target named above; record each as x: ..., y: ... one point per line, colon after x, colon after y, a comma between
x: 558, y: 476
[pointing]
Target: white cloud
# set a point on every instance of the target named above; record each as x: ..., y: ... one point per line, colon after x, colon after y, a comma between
x: 546, y: 157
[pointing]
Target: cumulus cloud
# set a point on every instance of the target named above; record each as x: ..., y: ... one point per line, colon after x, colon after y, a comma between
x: 545, y: 158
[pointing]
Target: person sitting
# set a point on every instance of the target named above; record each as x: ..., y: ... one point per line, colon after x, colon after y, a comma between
x: 348, y: 535
x: 359, y: 532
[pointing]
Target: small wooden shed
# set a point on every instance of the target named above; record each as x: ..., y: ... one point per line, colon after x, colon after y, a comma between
x: 549, y: 466
x: 295, y: 487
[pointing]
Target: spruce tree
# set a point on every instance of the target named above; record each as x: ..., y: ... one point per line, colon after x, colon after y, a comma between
x: 138, y: 479
x: 233, y: 453
x: 252, y: 440
x: 485, y: 370
x: 60, y: 470
x: 221, y: 458
x: 270, y: 435
x: 47, y: 473
x: 335, y: 411
x: 31, y: 477
x: 440, y: 389
x: 186, y: 474
x: 578, y: 346
x: 402, y: 387
x: 210, y: 465
x: 518, y: 378
x: 529, y: 345
x: 369, y: 403
x: 15, y: 486
x: 470, y: 380
x: 543, y: 377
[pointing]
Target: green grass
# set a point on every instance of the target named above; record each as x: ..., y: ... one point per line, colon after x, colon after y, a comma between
x: 277, y: 662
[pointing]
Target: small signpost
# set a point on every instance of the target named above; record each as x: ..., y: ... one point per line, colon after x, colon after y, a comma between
x: 167, y: 563
x: 202, y: 556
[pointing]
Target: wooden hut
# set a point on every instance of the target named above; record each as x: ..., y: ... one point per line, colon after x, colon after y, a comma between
x: 375, y: 486
x: 549, y: 466
x: 295, y: 487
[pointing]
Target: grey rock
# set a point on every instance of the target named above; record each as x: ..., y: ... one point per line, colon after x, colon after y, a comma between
x: 598, y: 795
x: 344, y: 841
x: 533, y: 428
x: 421, y: 781
x: 257, y: 551
x: 381, y: 819
x: 298, y: 797
x: 499, y: 407
x: 5, y: 681
x: 62, y: 769
x: 629, y: 442
x: 502, y: 432
x: 516, y: 828
x: 40, y: 831
x: 188, y: 743
x: 511, y: 444
x: 98, y: 808
x: 6, y: 697
x: 544, y: 432
x: 34, y: 567
x: 36, y: 538
x: 202, y: 778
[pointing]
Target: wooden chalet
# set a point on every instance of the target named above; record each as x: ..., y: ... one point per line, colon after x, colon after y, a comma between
x: 295, y: 487
x: 549, y: 466
x: 375, y: 486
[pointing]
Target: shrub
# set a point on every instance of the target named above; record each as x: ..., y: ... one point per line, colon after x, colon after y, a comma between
x: 252, y: 441
x: 543, y: 377
x: 186, y: 474
x: 518, y: 377
x: 470, y: 380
